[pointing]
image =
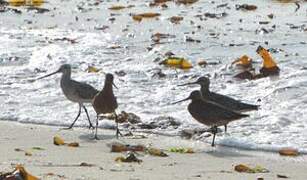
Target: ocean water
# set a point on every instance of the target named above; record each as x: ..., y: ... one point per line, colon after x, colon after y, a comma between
x: 30, y: 48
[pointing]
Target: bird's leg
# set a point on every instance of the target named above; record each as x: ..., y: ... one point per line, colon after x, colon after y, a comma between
x: 96, y: 129
x: 88, y: 118
x: 73, y: 123
x: 214, y: 133
x: 225, y: 128
x: 117, y: 129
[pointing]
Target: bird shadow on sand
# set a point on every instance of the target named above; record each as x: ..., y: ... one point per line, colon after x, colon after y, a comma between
x: 223, y: 151
x: 90, y: 137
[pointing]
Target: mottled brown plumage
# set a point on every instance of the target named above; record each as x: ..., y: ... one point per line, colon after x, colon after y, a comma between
x: 105, y: 101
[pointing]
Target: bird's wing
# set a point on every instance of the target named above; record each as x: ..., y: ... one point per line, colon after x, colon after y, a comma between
x: 231, y: 103
x: 212, y: 113
x: 84, y: 90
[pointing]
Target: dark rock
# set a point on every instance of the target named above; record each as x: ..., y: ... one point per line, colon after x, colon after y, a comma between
x: 263, y: 30
x: 38, y: 9
x: 270, y: 71
x: 264, y: 22
x: 162, y: 122
x: 5, y: 9
x: 246, y: 7
x: 120, y: 73
x: 222, y: 5
x: 271, y: 16
x: 146, y: 126
x: 215, y: 15
x: 125, y: 117
x: 245, y: 75
x: 169, y: 54
x: 190, y: 133
x: 282, y: 176
x: 3, y: 3
x: 190, y: 39
x: 129, y: 117
x: 159, y: 74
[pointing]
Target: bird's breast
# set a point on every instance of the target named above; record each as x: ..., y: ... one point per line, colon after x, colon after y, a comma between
x: 104, y: 104
x: 69, y: 91
x: 199, y: 112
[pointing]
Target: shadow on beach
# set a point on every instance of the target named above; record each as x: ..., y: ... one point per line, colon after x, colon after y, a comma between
x: 223, y: 151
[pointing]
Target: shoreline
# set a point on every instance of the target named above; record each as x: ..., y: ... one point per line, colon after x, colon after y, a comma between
x: 267, y: 149
x: 63, y: 161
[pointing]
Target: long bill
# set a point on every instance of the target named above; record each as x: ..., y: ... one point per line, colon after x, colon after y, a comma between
x: 114, y: 85
x: 188, y: 83
x: 48, y: 75
x: 181, y: 100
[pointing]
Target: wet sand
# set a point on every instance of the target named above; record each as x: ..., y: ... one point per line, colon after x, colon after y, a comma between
x: 62, y: 161
x: 35, y: 42
x: 88, y: 33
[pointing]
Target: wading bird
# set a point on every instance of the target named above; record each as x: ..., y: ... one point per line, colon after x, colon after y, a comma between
x: 210, y: 113
x: 223, y: 100
x: 105, y: 102
x: 75, y: 91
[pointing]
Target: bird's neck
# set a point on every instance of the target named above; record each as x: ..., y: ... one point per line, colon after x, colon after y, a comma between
x: 108, y: 87
x: 66, y: 76
x: 196, y: 100
x: 205, y: 90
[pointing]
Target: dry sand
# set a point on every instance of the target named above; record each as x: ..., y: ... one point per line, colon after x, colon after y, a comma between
x: 206, y: 163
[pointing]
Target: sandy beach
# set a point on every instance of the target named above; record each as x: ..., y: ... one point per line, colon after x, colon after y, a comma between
x: 99, y: 37
x: 62, y: 162
x: 133, y: 40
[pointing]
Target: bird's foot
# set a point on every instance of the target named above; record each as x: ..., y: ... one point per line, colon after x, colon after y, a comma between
x: 96, y: 137
x: 91, y: 127
x: 118, y: 133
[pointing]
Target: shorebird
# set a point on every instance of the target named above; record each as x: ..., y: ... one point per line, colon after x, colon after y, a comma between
x: 75, y: 91
x: 223, y: 100
x: 210, y: 113
x: 105, y: 102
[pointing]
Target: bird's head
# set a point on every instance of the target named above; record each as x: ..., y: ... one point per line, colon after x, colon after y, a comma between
x: 203, y: 81
x: 110, y: 79
x: 65, y: 69
x: 195, y: 95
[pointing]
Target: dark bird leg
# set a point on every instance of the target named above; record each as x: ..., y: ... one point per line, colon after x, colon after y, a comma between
x: 88, y: 118
x: 96, y: 129
x: 225, y: 128
x: 117, y: 129
x: 73, y: 123
x: 214, y: 131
